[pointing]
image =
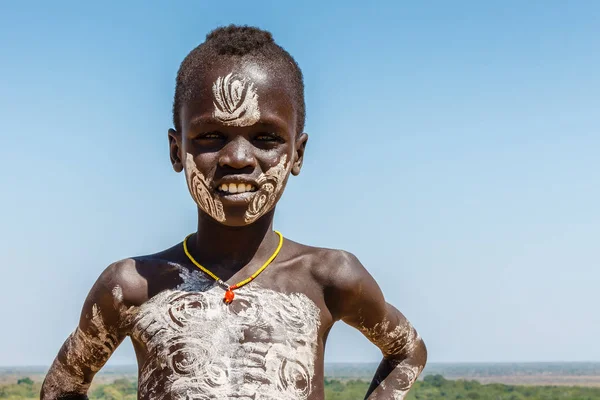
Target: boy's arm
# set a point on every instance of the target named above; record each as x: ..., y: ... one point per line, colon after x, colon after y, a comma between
x: 88, y: 348
x: 361, y: 304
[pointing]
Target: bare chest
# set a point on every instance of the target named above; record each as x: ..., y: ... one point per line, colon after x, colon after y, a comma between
x: 261, y: 346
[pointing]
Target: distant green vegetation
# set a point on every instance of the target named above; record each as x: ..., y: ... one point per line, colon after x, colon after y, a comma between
x: 472, y: 370
x: 337, y: 390
x: 25, y: 388
x: 121, y: 389
x: 433, y: 387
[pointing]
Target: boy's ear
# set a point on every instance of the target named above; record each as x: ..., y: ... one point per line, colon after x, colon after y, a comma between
x: 174, y: 150
x: 299, y: 155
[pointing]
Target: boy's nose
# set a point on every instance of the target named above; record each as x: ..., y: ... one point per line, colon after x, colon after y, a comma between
x: 237, y: 154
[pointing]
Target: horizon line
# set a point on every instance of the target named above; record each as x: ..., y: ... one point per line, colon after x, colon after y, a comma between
x: 39, y: 366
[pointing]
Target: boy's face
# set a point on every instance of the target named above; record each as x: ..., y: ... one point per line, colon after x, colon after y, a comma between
x: 238, y: 142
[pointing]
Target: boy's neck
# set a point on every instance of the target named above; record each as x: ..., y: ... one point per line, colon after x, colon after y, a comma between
x: 228, y: 249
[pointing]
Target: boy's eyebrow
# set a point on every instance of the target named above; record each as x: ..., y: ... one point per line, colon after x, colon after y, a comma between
x: 269, y: 121
x: 203, y: 120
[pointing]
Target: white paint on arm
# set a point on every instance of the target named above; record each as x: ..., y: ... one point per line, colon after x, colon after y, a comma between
x: 399, y: 341
x: 82, y: 355
x: 86, y: 350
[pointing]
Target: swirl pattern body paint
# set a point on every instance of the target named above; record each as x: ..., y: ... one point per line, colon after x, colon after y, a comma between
x: 270, y: 184
x: 236, y: 101
x: 261, y: 346
x: 199, y: 188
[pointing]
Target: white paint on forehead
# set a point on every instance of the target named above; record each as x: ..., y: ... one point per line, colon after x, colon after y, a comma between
x: 269, y: 187
x: 235, y: 100
x: 263, y: 345
x: 201, y: 192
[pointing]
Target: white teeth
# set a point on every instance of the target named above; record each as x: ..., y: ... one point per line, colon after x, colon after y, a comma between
x: 236, y: 188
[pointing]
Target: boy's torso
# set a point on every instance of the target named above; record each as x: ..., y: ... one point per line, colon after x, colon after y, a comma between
x: 267, y: 344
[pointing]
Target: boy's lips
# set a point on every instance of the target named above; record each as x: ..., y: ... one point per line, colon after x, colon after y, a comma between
x: 236, y: 187
x: 235, y: 190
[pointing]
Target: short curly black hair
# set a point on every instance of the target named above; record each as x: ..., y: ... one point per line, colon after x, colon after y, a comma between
x: 238, y: 42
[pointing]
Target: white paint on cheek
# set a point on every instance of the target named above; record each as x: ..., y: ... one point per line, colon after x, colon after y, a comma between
x: 263, y: 345
x: 236, y: 101
x: 270, y: 184
x: 201, y: 192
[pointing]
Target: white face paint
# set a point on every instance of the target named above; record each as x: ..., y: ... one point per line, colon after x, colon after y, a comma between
x: 262, y: 201
x: 236, y: 101
x: 202, y: 194
x: 270, y: 184
x: 263, y: 345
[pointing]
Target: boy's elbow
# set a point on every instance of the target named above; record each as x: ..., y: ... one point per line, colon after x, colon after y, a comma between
x: 52, y: 393
x: 61, y: 383
x: 415, y: 351
x: 420, y: 352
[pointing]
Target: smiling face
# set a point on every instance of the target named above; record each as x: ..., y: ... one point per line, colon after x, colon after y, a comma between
x: 238, y: 142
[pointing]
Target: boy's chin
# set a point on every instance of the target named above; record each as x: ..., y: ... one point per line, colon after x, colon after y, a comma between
x: 238, y: 218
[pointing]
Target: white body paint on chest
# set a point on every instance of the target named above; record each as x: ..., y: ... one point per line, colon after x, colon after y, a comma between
x: 199, y: 188
x: 236, y: 101
x: 262, y: 346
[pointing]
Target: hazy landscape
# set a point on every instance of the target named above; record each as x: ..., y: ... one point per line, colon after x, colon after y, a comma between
x: 349, y: 381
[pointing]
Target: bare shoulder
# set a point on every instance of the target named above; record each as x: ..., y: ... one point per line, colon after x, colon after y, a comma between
x: 132, y: 281
x: 331, y: 267
x: 123, y: 280
x: 137, y: 279
x: 118, y: 286
x: 344, y: 279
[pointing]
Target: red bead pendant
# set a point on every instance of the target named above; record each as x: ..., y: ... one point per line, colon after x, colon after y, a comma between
x: 228, y: 296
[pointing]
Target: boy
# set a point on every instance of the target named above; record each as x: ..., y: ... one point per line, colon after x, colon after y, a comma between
x: 235, y: 310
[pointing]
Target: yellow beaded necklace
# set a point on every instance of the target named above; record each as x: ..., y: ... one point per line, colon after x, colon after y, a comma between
x: 229, y: 289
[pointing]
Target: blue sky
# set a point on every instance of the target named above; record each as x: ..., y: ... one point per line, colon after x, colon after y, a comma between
x: 453, y: 148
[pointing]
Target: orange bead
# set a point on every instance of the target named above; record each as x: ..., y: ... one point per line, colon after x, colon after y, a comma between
x: 229, y: 296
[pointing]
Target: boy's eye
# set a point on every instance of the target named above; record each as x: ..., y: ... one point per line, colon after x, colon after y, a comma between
x: 211, y: 135
x: 267, y: 137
